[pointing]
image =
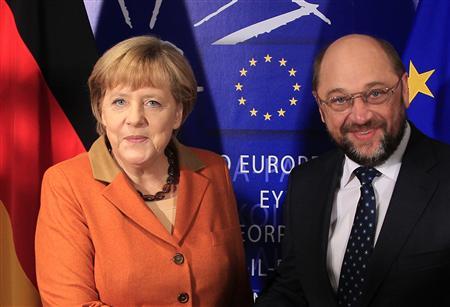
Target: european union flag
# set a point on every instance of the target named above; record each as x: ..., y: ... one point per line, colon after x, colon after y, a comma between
x: 427, y: 59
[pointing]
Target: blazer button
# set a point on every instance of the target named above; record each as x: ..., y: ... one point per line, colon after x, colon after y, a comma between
x: 183, y: 297
x: 178, y: 258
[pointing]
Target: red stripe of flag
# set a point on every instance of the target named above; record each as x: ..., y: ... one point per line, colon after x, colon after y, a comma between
x: 35, y: 134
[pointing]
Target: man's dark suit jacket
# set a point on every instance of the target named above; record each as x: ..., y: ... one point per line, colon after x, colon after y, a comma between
x: 410, y: 264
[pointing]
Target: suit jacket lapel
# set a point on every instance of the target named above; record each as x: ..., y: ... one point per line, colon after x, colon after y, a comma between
x: 119, y: 191
x: 191, y: 190
x: 317, y: 199
x: 123, y: 196
x: 411, y: 195
x: 334, y: 183
x: 336, y: 167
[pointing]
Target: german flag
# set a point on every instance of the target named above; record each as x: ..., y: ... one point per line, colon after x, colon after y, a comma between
x: 47, y: 51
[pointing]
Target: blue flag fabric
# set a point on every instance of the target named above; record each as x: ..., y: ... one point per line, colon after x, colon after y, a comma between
x: 427, y: 59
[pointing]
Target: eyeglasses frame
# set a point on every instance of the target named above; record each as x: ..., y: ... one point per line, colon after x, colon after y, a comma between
x: 361, y: 95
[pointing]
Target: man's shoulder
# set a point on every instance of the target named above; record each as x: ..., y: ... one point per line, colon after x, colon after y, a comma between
x: 441, y: 148
x: 442, y: 156
x: 424, y: 143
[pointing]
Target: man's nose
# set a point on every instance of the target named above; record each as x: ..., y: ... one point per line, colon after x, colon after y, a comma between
x: 360, y: 111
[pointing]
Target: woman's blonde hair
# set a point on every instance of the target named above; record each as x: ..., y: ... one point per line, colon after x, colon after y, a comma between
x: 138, y: 62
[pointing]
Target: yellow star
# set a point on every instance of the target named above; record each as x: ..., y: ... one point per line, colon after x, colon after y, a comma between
x: 293, y: 101
x: 242, y: 101
x: 281, y: 112
x: 296, y: 87
x: 292, y: 72
x: 417, y: 83
x: 267, y: 116
x: 239, y: 87
x: 243, y: 72
x: 253, y: 62
x: 282, y: 62
x: 268, y: 58
x: 253, y: 112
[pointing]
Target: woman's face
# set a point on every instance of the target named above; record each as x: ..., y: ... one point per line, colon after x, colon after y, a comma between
x: 139, y: 123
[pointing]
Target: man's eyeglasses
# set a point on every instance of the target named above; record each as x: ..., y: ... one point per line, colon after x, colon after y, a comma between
x: 373, y: 97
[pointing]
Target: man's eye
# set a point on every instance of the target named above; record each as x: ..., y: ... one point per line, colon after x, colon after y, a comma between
x: 376, y: 93
x: 119, y: 102
x: 338, y: 100
x: 152, y: 103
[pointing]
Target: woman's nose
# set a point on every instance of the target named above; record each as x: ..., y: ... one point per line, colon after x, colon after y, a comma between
x: 136, y: 115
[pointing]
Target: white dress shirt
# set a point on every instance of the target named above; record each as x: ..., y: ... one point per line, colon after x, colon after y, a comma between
x: 346, y: 201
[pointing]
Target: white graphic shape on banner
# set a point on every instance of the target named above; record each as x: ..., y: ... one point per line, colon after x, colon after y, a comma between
x: 265, y: 26
x: 125, y: 13
x: 221, y: 9
x: 155, y: 13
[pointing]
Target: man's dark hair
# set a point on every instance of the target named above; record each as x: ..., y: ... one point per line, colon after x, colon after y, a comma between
x: 390, y: 51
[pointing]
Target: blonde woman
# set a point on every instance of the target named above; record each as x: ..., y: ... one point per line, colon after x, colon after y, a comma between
x: 140, y: 219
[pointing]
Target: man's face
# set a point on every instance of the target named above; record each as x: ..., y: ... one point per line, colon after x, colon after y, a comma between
x: 368, y: 134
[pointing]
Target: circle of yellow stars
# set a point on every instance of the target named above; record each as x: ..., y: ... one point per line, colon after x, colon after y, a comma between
x: 282, y: 63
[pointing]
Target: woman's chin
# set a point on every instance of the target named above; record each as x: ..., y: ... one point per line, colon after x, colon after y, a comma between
x: 137, y: 160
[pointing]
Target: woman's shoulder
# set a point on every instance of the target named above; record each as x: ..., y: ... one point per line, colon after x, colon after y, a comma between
x: 77, y: 166
x: 203, y: 156
x: 206, y: 154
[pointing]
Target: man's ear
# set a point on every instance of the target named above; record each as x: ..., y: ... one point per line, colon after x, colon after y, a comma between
x: 405, y: 90
x: 322, y: 116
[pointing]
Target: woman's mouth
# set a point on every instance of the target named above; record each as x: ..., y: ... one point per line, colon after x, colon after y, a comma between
x: 136, y: 139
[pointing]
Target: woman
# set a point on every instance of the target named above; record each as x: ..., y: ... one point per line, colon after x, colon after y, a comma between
x: 140, y: 219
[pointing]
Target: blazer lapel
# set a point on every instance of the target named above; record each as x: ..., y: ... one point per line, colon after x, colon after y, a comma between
x: 314, y: 229
x: 123, y: 196
x: 328, y: 198
x: 411, y: 195
x: 191, y: 190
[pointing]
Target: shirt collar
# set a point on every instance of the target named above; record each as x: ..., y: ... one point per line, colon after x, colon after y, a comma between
x: 105, y: 169
x: 388, y: 168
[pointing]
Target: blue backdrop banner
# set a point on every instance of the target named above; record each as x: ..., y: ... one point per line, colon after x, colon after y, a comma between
x: 253, y: 61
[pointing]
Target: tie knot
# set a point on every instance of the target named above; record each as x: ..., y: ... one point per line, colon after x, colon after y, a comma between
x: 366, y: 174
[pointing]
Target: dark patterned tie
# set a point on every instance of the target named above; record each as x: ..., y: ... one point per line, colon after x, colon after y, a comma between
x: 360, y: 243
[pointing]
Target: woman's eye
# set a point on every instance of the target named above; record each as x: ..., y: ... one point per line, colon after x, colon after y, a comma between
x: 119, y: 102
x: 152, y: 103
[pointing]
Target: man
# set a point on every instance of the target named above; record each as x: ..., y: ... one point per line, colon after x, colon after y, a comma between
x: 367, y: 224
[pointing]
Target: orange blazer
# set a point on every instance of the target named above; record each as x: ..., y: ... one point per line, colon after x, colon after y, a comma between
x: 97, y: 243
